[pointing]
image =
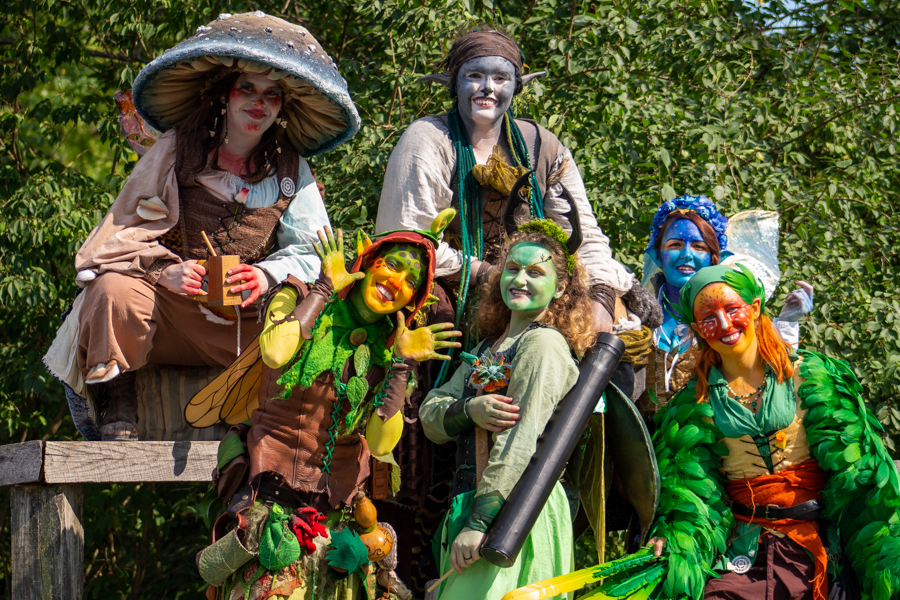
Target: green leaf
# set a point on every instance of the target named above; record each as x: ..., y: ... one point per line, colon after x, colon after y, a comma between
x: 361, y: 360
x: 665, y: 158
x: 357, y: 388
x: 631, y: 27
x: 668, y: 192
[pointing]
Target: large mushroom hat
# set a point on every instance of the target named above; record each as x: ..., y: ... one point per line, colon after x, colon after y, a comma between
x: 318, y: 111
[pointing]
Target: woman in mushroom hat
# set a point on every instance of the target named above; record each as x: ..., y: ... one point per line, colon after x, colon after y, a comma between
x: 242, y: 103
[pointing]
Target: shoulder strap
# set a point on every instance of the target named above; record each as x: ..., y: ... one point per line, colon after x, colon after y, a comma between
x: 544, y: 152
x: 511, y: 351
x: 288, y: 167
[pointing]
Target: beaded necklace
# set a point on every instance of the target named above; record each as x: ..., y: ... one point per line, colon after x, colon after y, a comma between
x: 754, y: 398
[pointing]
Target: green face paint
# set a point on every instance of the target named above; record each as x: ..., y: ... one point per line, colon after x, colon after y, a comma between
x: 528, y: 283
x: 391, y: 282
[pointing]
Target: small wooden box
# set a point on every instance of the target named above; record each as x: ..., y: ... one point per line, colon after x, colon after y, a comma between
x: 217, y: 267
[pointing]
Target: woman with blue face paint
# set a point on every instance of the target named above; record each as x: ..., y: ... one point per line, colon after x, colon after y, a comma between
x: 687, y: 234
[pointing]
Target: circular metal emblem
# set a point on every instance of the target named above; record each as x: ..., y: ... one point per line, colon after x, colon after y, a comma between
x: 741, y: 564
x: 287, y: 186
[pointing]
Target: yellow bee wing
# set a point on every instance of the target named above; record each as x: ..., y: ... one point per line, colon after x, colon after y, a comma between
x: 243, y: 397
x: 231, y: 395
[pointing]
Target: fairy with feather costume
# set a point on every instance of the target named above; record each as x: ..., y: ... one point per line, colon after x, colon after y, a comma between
x: 778, y: 504
x: 329, y: 362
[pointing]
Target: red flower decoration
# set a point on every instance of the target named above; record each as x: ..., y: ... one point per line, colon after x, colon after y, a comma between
x: 306, y: 523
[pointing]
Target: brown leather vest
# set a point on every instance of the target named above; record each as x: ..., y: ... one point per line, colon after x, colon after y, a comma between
x: 232, y: 227
x: 656, y: 377
x: 543, y: 150
x: 289, y: 438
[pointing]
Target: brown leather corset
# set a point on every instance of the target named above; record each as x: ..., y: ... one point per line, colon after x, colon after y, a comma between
x: 232, y: 227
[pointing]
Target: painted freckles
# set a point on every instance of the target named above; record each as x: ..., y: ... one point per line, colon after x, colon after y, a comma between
x: 723, y: 319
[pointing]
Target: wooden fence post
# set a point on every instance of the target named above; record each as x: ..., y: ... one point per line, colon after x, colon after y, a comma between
x: 47, y: 542
x: 47, y: 501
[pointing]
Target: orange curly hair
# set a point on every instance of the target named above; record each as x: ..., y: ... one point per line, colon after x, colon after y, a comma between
x: 571, y: 314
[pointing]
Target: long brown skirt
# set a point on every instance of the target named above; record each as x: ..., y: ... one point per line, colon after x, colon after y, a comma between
x: 783, y: 571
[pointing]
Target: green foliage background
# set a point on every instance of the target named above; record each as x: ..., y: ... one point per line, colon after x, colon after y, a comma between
x: 785, y: 106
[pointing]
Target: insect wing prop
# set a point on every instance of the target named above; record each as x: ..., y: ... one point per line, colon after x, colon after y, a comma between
x: 139, y: 135
x: 232, y: 396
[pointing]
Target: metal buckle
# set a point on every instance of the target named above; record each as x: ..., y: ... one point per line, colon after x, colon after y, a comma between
x: 767, y: 515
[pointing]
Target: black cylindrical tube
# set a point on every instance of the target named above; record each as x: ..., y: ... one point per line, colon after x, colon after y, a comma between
x: 517, y: 516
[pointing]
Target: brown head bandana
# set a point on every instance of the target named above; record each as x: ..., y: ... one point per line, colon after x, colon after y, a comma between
x: 481, y: 43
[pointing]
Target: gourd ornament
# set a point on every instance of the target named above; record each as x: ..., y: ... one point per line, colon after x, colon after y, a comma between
x: 364, y: 514
x: 377, y: 539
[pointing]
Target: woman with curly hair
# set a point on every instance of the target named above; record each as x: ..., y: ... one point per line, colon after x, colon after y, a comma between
x: 535, y: 318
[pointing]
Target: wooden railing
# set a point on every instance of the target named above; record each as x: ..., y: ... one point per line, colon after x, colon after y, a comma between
x: 47, y: 499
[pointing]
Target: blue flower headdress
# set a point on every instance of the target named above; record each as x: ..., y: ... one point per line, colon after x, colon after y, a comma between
x: 705, y: 209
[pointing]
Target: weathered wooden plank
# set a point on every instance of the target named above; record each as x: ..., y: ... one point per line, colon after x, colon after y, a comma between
x: 21, y: 463
x: 122, y: 462
x: 47, y: 542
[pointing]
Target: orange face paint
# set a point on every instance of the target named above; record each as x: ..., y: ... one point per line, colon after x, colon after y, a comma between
x: 723, y: 319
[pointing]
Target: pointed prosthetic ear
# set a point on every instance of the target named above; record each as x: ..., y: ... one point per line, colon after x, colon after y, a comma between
x: 756, y: 308
x: 441, y: 78
x: 526, y: 79
x: 441, y: 221
x: 362, y: 242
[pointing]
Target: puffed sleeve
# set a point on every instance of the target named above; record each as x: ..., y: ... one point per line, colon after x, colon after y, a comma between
x: 595, y: 252
x: 417, y: 185
x: 296, y: 233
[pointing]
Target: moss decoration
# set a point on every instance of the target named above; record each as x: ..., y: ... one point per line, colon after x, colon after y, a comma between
x: 554, y: 232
